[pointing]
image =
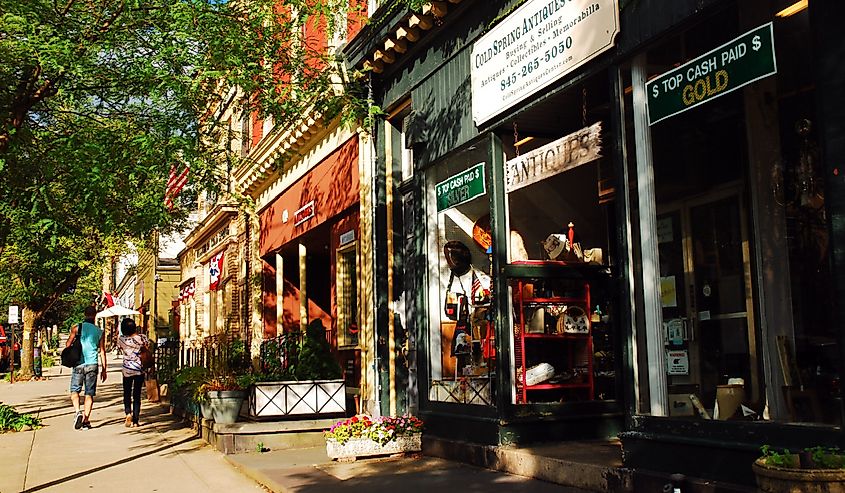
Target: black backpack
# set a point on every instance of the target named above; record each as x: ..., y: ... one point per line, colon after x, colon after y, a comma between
x: 72, y: 355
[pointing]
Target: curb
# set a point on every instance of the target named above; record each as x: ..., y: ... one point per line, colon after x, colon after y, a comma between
x: 257, y: 476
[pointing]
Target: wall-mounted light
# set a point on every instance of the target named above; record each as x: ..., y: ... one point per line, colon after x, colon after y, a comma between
x: 523, y: 141
x: 793, y: 9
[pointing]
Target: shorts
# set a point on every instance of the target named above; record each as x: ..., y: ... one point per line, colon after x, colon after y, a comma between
x: 88, y: 374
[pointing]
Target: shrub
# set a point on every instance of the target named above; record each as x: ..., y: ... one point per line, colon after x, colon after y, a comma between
x: 11, y: 420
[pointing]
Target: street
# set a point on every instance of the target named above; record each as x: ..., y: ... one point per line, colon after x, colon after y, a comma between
x: 162, y: 455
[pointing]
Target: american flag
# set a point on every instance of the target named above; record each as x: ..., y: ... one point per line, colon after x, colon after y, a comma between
x: 175, y: 183
x: 476, y: 288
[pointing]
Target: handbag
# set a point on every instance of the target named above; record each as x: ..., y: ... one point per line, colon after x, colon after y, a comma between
x: 454, y: 300
x: 72, y: 355
x: 146, y: 357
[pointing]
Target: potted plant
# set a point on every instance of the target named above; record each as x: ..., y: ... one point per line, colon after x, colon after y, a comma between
x: 226, y: 394
x: 301, y: 377
x: 364, y: 436
x: 812, y: 470
x: 185, y: 389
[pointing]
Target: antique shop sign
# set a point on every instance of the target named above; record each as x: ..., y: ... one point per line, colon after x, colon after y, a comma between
x: 553, y: 158
x: 537, y: 44
x: 735, y: 64
x: 461, y: 188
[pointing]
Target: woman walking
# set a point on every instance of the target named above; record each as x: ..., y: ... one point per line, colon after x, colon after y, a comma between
x: 130, y: 343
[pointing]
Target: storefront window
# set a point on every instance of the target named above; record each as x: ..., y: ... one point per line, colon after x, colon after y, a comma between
x: 560, y: 214
x: 347, y: 297
x: 462, y: 338
x: 741, y: 231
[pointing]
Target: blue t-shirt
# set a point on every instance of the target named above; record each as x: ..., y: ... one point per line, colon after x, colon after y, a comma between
x: 90, y: 343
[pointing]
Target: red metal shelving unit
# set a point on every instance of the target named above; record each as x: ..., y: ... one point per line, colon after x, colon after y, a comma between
x: 571, y: 344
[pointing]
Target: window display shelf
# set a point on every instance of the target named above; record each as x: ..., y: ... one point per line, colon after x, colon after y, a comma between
x: 546, y: 301
x: 556, y: 269
x: 556, y: 336
x: 552, y: 386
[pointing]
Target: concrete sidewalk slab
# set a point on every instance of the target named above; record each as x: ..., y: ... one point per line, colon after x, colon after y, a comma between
x: 162, y: 455
x: 310, y: 471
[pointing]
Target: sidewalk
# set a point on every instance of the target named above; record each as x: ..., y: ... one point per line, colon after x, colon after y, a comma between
x: 162, y: 455
x: 310, y: 471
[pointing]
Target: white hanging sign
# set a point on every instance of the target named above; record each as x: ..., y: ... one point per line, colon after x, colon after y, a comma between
x: 536, y: 45
x: 553, y: 158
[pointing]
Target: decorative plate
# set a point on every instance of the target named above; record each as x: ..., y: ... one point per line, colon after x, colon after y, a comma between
x: 575, y: 321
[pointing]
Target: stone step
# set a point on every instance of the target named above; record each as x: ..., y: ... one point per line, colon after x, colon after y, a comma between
x: 592, y: 466
x: 247, y: 436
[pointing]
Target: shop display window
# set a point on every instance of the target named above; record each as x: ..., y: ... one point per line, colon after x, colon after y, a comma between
x: 742, y: 239
x: 462, y: 366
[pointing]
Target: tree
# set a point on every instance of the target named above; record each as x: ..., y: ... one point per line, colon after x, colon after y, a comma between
x: 98, y: 100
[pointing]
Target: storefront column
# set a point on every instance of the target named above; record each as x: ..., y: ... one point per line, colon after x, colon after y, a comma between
x: 303, y: 292
x: 827, y: 17
x: 648, y: 242
x: 280, y: 293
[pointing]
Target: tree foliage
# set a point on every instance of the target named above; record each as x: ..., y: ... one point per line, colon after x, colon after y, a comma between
x: 100, y: 98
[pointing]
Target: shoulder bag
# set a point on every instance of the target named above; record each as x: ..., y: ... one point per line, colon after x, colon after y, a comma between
x: 146, y: 357
x: 72, y: 355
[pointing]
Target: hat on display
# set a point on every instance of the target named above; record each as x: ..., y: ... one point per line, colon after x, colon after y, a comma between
x: 458, y: 257
x: 481, y: 232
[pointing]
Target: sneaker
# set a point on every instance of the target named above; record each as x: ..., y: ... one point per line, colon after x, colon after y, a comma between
x: 77, y: 421
x: 86, y: 425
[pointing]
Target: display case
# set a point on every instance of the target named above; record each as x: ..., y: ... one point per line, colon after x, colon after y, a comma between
x: 553, y: 340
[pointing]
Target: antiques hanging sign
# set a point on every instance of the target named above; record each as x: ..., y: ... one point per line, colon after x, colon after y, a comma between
x: 553, y: 158
x: 735, y: 64
x: 536, y: 45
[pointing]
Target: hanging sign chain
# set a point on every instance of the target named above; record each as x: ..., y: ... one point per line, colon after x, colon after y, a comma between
x: 584, y: 107
x: 515, y: 138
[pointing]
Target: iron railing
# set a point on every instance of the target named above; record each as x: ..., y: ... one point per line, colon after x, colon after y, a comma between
x: 216, y: 353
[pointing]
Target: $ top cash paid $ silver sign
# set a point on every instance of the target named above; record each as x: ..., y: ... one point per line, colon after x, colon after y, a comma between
x: 537, y: 44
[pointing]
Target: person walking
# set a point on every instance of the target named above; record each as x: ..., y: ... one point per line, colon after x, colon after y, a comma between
x: 85, y: 373
x: 130, y: 343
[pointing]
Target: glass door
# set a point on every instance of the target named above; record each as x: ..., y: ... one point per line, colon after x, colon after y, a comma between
x: 706, y: 304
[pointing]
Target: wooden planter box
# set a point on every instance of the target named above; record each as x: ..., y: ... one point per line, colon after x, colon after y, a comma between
x: 771, y: 479
x: 364, y: 447
x: 293, y: 398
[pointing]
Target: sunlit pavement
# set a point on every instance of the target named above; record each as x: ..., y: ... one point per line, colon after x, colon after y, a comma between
x: 162, y: 455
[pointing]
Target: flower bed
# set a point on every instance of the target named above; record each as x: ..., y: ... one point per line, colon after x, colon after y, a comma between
x: 364, y: 436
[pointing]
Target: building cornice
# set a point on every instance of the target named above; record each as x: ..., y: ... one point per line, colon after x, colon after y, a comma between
x: 279, y: 147
x: 217, y: 216
x: 387, y: 46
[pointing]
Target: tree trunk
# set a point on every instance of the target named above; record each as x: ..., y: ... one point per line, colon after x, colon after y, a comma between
x: 30, y: 320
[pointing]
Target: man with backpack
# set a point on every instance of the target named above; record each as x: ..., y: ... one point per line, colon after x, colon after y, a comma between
x: 85, y: 373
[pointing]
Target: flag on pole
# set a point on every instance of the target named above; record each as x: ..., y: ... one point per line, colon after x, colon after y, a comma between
x: 215, y: 270
x: 108, y: 299
x: 175, y: 183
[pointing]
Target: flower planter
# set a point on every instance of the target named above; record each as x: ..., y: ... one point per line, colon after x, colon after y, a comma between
x: 206, y: 411
x: 772, y: 479
x: 226, y: 405
x: 291, y: 398
x: 364, y: 447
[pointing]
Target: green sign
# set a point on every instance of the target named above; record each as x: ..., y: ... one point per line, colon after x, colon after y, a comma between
x: 736, y: 63
x: 461, y: 188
